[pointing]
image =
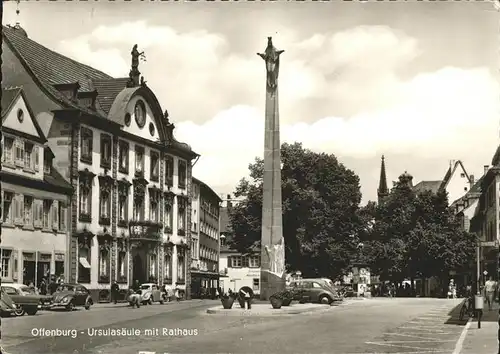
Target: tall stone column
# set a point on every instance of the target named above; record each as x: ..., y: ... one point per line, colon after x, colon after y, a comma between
x: 272, y: 273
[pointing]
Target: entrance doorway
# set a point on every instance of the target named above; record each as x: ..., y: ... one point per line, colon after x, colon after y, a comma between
x: 138, y: 269
x: 29, y: 269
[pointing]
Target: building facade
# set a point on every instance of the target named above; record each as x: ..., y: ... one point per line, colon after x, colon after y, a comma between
x: 131, y: 208
x: 205, y: 236
x: 35, y: 199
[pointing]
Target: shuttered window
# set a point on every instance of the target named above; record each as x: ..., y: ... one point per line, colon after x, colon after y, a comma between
x: 38, y: 213
x: 36, y: 158
x: 55, y: 218
x: 62, y: 216
x: 18, y: 209
x: 19, y: 152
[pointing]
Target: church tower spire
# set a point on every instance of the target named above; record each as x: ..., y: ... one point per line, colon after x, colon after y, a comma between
x: 382, y: 191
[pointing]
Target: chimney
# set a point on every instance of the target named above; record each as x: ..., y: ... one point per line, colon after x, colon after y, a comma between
x: 486, y: 167
x: 229, y: 204
x: 471, y: 178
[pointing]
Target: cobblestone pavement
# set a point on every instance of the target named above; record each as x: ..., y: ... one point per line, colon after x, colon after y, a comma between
x: 371, y: 326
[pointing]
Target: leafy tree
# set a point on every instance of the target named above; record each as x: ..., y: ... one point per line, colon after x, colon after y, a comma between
x: 417, y: 236
x: 320, y: 211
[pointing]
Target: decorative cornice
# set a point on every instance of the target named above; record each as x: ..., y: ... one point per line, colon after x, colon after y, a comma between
x: 106, y: 183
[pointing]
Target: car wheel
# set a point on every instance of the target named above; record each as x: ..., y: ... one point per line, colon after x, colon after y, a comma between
x: 19, y: 311
x: 150, y: 301
x: 87, y: 306
x: 70, y: 306
x: 161, y: 302
x: 325, y: 299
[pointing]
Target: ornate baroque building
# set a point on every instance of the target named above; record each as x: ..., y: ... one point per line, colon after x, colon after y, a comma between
x: 35, y: 198
x: 130, y: 211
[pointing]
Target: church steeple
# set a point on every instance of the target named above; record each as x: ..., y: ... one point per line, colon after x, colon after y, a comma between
x: 382, y: 191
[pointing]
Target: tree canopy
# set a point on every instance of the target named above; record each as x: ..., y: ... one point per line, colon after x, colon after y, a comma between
x: 321, y: 219
x: 416, y: 236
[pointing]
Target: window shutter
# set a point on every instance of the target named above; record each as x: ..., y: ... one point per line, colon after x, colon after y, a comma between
x: 230, y: 261
x: 54, y: 214
x: 36, y: 157
x: 37, y: 220
x: 20, y: 205
x: 3, y: 149
x: 64, y: 218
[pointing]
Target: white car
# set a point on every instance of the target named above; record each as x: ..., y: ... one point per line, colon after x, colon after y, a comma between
x: 150, y: 292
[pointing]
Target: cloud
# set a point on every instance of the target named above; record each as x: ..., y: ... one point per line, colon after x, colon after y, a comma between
x: 347, y: 93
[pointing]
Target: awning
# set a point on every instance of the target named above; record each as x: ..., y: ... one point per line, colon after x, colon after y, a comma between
x: 84, y: 262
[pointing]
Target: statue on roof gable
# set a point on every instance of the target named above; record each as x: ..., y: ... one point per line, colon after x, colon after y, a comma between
x: 134, y: 74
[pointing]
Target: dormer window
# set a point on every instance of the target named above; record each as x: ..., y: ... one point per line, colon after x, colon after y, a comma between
x: 87, y: 99
x: 70, y: 91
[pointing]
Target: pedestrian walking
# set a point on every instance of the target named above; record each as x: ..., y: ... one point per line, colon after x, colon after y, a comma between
x: 43, y: 287
x: 115, y: 288
x: 489, y: 291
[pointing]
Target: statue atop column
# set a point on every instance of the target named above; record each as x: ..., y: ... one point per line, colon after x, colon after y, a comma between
x: 134, y: 73
x: 272, y: 58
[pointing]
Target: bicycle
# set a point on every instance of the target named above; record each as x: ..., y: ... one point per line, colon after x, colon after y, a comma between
x: 466, y: 308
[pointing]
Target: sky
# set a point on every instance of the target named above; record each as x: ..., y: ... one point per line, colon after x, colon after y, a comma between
x: 414, y: 81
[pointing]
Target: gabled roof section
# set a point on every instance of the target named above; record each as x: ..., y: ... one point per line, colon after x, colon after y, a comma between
x: 108, y: 90
x: 9, y: 97
x: 451, y: 172
x: 224, y: 221
x: 208, y: 188
x: 432, y: 186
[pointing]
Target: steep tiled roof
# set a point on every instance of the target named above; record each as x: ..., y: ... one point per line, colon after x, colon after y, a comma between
x: 432, y: 186
x: 107, y: 90
x: 51, y: 68
x: 8, y: 97
x: 57, y: 180
x: 54, y: 68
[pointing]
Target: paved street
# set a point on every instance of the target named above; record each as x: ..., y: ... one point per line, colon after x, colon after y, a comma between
x: 369, y: 326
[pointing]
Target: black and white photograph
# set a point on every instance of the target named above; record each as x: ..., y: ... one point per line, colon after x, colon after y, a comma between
x: 250, y: 177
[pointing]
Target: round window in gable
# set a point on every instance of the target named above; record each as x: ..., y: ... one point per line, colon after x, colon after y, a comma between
x: 152, y: 129
x: 127, y: 119
x: 20, y: 115
x: 140, y: 114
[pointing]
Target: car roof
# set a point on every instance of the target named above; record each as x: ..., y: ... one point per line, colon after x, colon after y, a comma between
x: 148, y: 284
x: 72, y: 284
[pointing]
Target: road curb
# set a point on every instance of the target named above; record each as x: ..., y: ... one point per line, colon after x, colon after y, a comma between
x: 267, y: 311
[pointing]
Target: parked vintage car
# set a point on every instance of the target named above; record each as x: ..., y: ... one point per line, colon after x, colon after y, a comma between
x: 70, y: 296
x: 25, y: 298
x: 150, y: 293
x: 313, y: 290
x: 7, y: 305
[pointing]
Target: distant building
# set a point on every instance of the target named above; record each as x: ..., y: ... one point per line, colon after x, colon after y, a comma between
x: 205, y: 235
x: 236, y: 269
x: 35, y: 199
x: 485, y: 218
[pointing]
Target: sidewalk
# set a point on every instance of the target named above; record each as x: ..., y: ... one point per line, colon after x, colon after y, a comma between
x: 484, y: 340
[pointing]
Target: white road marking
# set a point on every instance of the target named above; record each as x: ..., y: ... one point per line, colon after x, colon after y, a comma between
x: 395, y: 345
x: 424, y: 325
x: 410, y: 335
x: 417, y: 341
x: 460, y: 341
x: 421, y: 328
